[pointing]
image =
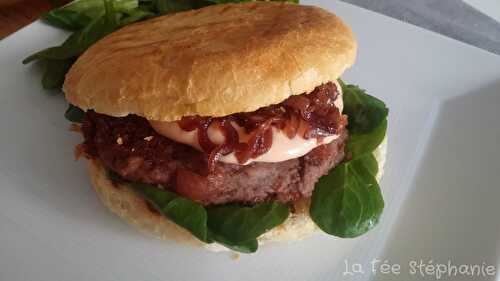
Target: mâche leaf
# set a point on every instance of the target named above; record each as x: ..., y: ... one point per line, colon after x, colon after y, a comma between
x: 184, y: 212
x: 239, y: 224
x: 362, y: 144
x: 96, y: 8
x: 249, y: 246
x: 74, y: 114
x: 228, y: 1
x: 58, y: 60
x: 234, y: 226
x: 347, y: 202
x: 173, y: 6
x: 66, y: 19
x: 365, y: 112
x: 55, y: 71
x: 369, y: 162
x: 79, y: 41
x: 78, y: 14
x: 135, y: 15
x: 239, y: 1
x: 367, y: 118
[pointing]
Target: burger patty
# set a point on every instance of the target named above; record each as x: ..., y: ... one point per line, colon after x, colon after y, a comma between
x: 130, y: 147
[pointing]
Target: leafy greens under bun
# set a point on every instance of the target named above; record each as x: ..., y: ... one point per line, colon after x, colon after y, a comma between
x: 122, y: 200
x: 214, y: 61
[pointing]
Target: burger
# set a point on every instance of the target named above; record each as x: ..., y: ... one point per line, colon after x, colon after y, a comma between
x: 228, y: 126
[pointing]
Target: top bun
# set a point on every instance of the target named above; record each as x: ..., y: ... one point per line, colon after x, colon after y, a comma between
x: 213, y: 61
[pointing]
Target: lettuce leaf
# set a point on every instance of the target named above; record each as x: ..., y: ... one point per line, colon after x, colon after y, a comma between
x: 74, y: 114
x: 173, y: 6
x: 365, y: 112
x: 78, y: 14
x: 234, y: 226
x: 184, y: 212
x: 239, y: 224
x: 367, y: 120
x: 360, y: 145
x: 60, y: 58
x: 236, y: 1
x: 348, y: 202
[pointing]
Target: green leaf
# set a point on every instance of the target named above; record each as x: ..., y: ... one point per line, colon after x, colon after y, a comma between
x: 239, y: 224
x: 175, y: 6
x: 79, y: 41
x: 234, y: 226
x: 247, y: 247
x: 79, y: 14
x: 96, y: 8
x: 172, y: 6
x: 55, y: 71
x: 100, y: 27
x: 361, y: 144
x: 367, y: 118
x: 74, y: 114
x: 184, y: 212
x: 239, y: 1
x: 369, y: 162
x: 134, y: 16
x: 110, y: 14
x: 52, y: 53
x: 347, y: 202
x: 365, y: 112
x: 66, y: 19
x: 228, y: 1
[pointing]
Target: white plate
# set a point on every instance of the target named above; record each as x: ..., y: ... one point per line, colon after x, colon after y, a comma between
x: 443, y: 134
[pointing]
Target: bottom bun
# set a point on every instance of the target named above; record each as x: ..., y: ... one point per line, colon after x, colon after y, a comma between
x: 124, y: 202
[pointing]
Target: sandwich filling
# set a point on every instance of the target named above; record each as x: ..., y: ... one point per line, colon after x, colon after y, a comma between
x: 275, y: 153
x: 272, y: 134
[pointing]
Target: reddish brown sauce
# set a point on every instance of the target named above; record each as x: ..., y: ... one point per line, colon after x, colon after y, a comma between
x: 317, y: 110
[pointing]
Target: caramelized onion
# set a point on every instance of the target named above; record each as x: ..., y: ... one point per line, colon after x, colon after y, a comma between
x: 317, y: 110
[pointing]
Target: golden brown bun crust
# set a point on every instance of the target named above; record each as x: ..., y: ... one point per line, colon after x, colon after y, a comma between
x: 214, y: 61
x: 133, y: 209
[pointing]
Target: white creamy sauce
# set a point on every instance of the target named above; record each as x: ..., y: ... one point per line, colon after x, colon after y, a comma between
x: 282, y: 148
